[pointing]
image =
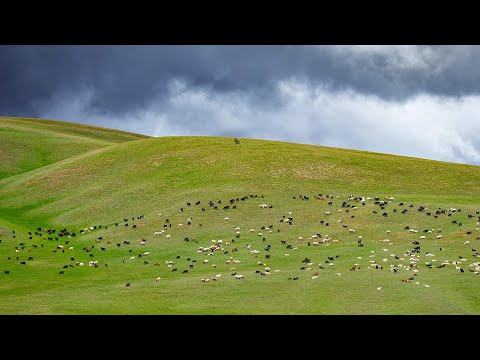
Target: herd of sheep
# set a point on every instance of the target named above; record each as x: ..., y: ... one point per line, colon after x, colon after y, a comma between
x: 241, y: 250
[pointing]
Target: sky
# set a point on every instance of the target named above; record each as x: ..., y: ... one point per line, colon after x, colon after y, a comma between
x: 411, y: 100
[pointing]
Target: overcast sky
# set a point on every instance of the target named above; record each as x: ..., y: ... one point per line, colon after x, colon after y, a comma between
x: 420, y: 101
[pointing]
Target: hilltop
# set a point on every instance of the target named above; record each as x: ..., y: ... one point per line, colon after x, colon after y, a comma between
x: 27, y: 144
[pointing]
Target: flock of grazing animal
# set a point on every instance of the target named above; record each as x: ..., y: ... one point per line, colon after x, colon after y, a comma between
x: 272, y: 237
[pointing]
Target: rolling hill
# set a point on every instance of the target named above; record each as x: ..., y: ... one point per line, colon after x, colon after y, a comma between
x: 111, y: 196
x: 27, y: 144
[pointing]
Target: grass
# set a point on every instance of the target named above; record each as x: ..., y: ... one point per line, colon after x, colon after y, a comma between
x: 112, y: 177
x: 27, y: 144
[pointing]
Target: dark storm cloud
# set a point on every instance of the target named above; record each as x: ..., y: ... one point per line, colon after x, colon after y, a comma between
x: 126, y: 78
x: 421, y: 101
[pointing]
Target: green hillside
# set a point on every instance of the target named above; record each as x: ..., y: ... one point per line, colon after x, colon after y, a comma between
x: 369, y: 233
x: 27, y: 144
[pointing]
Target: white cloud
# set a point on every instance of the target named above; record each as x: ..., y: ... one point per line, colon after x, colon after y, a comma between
x: 425, y: 126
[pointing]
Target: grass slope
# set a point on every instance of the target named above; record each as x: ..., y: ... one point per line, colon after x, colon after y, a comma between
x: 109, y: 190
x: 145, y: 175
x: 27, y: 144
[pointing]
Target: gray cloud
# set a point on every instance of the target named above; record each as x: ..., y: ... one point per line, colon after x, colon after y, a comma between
x: 419, y: 100
x: 125, y: 78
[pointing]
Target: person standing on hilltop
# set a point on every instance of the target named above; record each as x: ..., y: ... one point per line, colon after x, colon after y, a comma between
x: 237, y: 141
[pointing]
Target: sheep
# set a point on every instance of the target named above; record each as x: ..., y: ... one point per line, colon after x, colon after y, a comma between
x: 158, y: 279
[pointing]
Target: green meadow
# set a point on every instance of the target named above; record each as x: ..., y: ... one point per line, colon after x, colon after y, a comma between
x: 173, y: 225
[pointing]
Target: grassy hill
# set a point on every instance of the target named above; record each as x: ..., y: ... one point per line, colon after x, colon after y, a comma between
x: 27, y: 144
x: 117, y: 197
